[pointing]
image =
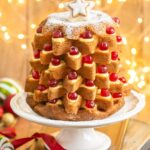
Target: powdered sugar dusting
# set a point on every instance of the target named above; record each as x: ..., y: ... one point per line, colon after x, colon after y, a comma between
x: 72, y: 27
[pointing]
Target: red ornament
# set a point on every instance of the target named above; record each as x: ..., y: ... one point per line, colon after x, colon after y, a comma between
x: 123, y: 79
x: 113, y: 77
x: 114, y: 55
x: 89, y: 83
x: 72, y: 75
x: 102, y: 69
x: 110, y: 30
x: 37, y: 53
x: 119, y: 39
x: 73, y: 96
x: 35, y: 74
x: 7, y: 106
x: 105, y: 92
x: 87, y: 35
x: 47, y: 47
x: 58, y: 34
x: 39, y: 29
x: 90, y: 103
x: 53, y: 101
x: 41, y: 88
x: 1, y: 111
x: 74, y: 50
x: 116, y: 95
x: 117, y: 20
x: 52, y: 83
x: 87, y: 59
x: 103, y: 46
x: 55, y: 61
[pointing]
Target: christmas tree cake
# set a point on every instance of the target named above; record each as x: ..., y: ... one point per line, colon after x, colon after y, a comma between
x: 76, y: 65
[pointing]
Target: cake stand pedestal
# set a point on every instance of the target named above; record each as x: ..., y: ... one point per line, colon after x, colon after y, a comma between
x: 80, y: 135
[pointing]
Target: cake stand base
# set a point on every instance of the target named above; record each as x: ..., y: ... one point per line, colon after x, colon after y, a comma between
x: 83, y: 139
x: 80, y: 135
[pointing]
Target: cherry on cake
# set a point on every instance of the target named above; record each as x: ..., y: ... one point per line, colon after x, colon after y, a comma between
x: 75, y: 71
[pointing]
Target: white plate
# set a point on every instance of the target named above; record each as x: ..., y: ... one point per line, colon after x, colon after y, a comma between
x: 133, y: 104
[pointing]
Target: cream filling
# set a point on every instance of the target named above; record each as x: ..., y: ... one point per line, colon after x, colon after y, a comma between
x: 75, y: 56
x: 102, y: 75
x: 116, y: 82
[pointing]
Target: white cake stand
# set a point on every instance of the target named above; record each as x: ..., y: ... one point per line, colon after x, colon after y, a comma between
x: 81, y: 135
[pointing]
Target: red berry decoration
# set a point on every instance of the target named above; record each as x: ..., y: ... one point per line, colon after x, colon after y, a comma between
x: 47, y: 47
x: 58, y: 34
x: 110, y: 30
x: 41, y: 88
x: 52, y: 83
x: 123, y: 79
x: 74, y: 50
x: 53, y: 101
x: 102, y: 69
x: 39, y: 29
x: 116, y: 95
x: 113, y: 77
x: 103, y: 46
x: 87, y: 35
x: 87, y: 59
x: 90, y: 103
x: 37, y: 53
x: 72, y: 75
x: 73, y: 96
x: 105, y: 92
x: 1, y: 111
x: 55, y: 61
x: 119, y: 39
x: 117, y: 20
x: 35, y: 74
x: 89, y: 83
x: 7, y: 106
x: 114, y: 55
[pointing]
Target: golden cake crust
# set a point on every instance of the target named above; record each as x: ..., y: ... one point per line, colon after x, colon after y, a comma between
x: 58, y: 112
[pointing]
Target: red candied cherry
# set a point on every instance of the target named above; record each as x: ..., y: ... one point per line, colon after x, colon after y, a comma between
x: 114, y: 55
x: 58, y: 34
x: 87, y: 35
x: 105, y: 92
x: 39, y: 29
x: 102, y: 69
x: 47, y: 47
x: 110, y: 30
x: 37, y: 53
x: 73, y: 96
x: 35, y: 74
x: 89, y: 83
x: 116, y: 95
x: 55, y: 61
x: 123, y: 79
x: 52, y: 83
x: 117, y: 20
x: 87, y: 59
x: 113, y: 77
x: 41, y: 87
x: 53, y: 101
x: 72, y: 75
x: 90, y: 103
x: 103, y: 46
x: 74, y: 50
x: 119, y: 38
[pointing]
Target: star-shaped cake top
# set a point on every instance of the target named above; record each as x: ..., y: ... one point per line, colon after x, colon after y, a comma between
x: 80, y: 7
